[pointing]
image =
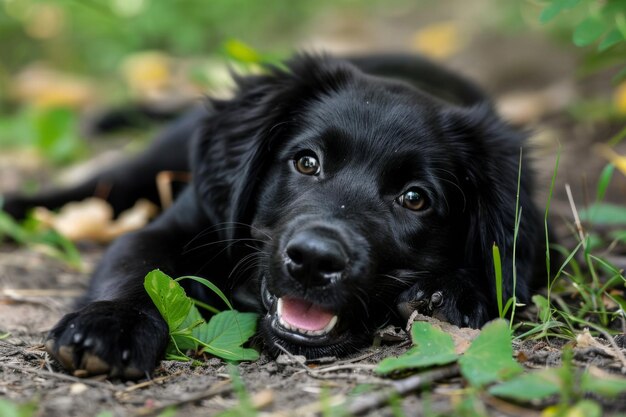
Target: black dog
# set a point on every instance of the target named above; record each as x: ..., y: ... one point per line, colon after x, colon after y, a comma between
x: 333, y: 194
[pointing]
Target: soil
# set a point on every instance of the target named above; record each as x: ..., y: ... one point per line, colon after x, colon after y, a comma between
x: 37, y: 290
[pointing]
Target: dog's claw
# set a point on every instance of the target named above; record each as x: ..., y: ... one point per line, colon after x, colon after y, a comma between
x: 436, y: 300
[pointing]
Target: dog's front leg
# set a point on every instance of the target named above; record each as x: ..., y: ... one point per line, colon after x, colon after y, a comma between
x: 119, y: 332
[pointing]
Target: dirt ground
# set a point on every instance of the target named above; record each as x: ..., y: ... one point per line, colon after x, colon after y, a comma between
x: 534, y: 86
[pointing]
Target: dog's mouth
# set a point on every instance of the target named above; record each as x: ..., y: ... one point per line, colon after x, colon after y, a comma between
x: 300, y: 321
x: 303, y: 317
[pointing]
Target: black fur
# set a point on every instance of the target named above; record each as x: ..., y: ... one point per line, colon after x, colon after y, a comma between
x: 339, y: 238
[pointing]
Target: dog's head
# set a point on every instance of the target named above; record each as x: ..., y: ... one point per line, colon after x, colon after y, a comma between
x: 354, y: 188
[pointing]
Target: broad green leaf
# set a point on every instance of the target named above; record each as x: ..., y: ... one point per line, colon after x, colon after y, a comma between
x: 604, y: 214
x: 490, y: 357
x: 432, y: 347
x: 530, y: 386
x: 183, y: 336
x: 169, y: 298
x: 612, y: 38
x: 554, y: 8
x: 224, y: 334
x: 56, y: 133
x: 588, y: 31
x: 605, y: 386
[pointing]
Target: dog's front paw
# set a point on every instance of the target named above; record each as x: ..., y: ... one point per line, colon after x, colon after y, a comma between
x: 459, y: 306
x: 109, y: 337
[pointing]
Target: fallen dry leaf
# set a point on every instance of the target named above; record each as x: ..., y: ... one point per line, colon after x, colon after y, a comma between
x: 92, y: 219
x: 616, y: 159
x: 525, y: 107
x: 44, y: 87
x: 438, y: 40
x: 619, y: 98
x: 586, y: 340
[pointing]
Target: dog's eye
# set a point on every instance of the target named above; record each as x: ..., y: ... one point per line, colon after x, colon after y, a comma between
x: 307, y: 164
x: 412, y: 199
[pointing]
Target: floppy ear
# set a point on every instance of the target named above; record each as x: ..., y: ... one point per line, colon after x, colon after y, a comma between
x: 231, y: 150
x: 488, y: 153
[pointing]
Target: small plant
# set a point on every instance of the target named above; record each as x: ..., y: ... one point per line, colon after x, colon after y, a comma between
x: 52, y: 131
x: 602, y: 22
x: 489, y: 368
x: 224, y: 334
x: 30, y: 233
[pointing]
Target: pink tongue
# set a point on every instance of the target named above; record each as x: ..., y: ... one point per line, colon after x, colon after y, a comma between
x: 305, y: 315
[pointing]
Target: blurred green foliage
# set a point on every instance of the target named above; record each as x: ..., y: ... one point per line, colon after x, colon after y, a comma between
x: 53, y: 131
x: 601, y: 22
x: 94, y: 35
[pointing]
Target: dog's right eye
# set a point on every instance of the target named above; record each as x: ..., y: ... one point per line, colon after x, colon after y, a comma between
x: 307, y: 164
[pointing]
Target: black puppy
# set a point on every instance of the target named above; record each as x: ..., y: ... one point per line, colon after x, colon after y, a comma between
x: 331, y: 195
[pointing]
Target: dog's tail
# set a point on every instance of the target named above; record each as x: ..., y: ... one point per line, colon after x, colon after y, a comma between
x: 425, y: 74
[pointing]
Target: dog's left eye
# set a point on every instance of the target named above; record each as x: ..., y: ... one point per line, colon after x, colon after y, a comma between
x: 412, y: 199
x: 307, y: 164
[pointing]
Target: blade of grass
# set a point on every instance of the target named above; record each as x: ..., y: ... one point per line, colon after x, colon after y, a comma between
x: 545, y: 223
x: 209, y: 285
x: 518, y: 218
x: 497, y: 266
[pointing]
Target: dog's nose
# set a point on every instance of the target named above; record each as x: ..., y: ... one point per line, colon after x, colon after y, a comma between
x: 315, y: 257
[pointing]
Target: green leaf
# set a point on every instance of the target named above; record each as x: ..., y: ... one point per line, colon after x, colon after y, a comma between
x: 530, y: 386
x: 603, y: 181
x: 10, y: 409
x: 612, y: 38
x: 605, y: 386
x: 169, y: 298
x: 242, y: 52
x: 432, y: 347
x: 224, y: 334
x: 497, y: 269
x: 556, y: 7
x: 543, y: 307
x: 606, y: 214
x: 490, y: 357
x: 586, y: 408
x: 588, y: 31
x: 56, y: 134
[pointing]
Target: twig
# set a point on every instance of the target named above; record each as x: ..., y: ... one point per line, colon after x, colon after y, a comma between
x: 347, y: 366
x: 402, y: 387
x: 579, y: 226
x: 151, y: 382
x: 219, y: 388
x: 313, y: 373
x: 618, y: 351
x: 57, y: 375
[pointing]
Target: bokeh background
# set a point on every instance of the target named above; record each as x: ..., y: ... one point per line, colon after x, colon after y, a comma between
x: 70, y: 69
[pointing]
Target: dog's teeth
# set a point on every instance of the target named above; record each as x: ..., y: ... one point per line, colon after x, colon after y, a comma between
x: 279, y: 308
x: 330, y: 325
